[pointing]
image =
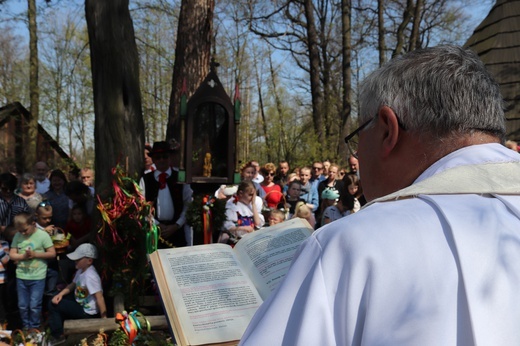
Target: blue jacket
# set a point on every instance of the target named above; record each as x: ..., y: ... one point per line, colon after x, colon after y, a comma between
x: 310, y: 195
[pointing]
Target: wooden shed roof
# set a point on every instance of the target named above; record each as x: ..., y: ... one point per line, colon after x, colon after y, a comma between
x: 497, y: 41
x: 16, y: 109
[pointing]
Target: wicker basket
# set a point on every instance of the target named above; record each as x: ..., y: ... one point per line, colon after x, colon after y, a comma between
x: 62, y: 242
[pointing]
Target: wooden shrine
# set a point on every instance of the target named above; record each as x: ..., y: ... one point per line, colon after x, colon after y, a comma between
x: 209, y: 140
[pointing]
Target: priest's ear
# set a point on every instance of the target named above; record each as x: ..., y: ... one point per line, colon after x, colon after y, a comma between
x: 390, y: 127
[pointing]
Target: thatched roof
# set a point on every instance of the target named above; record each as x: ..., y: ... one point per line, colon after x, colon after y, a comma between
x: 497, y: 41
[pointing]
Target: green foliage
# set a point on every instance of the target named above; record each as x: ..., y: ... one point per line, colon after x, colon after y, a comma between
x: 119, y: 338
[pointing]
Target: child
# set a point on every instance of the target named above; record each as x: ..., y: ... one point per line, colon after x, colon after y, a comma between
x: 78, y: 226
x: 31, y: 248
x: 304, y: 212
x: 44, y: 218
x: 243, y: 212
x: 329, y: 198
x: 4, y: 258
x: 276, y: 216
x: 352, y: 181
x: 290, y: 178
x: 43, y: 222
x: 341, y: 209
x: 83, y: 298
x: 292, y: 198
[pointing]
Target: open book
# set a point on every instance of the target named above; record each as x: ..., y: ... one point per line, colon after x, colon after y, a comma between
x: 211, y: 292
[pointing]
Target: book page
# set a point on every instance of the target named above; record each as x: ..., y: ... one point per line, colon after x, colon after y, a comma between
x: 212, y: 297
x: 266, y: 254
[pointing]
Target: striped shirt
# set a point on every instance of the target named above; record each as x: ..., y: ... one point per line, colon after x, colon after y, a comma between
x: 4, y: 257
x: 9, y: 209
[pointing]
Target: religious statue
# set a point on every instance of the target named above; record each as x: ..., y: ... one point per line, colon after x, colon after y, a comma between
x: 207, y: 165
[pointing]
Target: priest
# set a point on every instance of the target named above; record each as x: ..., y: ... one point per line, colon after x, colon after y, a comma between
x: 434, y: 258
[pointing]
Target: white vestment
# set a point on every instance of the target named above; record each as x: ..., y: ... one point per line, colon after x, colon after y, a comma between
x: 437, y: 263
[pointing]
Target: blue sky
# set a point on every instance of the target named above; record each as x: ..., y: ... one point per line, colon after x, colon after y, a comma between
x: 477, y: 9
x: 479, y: 12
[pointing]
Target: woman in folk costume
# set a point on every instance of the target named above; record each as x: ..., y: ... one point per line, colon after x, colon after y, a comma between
x: 242, y: 213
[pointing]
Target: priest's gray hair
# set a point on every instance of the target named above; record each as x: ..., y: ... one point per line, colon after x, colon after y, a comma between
x: 440, y: 90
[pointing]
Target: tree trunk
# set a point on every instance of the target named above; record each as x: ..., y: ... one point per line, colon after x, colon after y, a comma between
x: 414, y: 38
x: 192, y: 55
x: 283, y: 151
x: 407, y: 15
x: 264, y: 122
x: 381, y: 42
x: 32, y: 134
x: 314, y: 69
x: 327, y: 108
x: 119, y: 126
x: 346, y: 36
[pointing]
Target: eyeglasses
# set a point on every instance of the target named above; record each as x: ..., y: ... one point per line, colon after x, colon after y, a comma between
x: 341, y: 173
x: 317, y: 168
x: 352, y: 140
x: 271, y: 174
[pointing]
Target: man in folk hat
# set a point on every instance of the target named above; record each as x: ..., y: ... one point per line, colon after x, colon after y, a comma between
x: 170, y: 198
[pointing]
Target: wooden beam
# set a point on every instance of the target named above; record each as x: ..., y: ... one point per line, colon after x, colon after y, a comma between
x: 93, y: 325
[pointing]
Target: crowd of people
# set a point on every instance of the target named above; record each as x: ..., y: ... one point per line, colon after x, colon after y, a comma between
x: 46, y: 272
x: 319, y: 193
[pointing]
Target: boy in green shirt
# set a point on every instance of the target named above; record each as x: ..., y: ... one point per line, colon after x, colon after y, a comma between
x: 31, y: 248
